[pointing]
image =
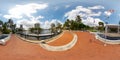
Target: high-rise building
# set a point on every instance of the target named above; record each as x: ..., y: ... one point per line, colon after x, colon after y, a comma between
x: 10, y: 24
x: 21, y: 26
x: 37, y: 25
x: 10, y: 21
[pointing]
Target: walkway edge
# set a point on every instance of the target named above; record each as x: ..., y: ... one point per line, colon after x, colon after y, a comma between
x: 61, y: 48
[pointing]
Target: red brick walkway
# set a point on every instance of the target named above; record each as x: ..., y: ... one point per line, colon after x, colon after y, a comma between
x: 85, y: 49
x: 65, y: 39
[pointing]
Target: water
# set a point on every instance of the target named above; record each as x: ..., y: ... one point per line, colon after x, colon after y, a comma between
x: 45, y: 34
x: 109, y: 37
x: 45, y: 31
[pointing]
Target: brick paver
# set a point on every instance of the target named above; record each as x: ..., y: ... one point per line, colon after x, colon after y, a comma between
x: 87, y: 48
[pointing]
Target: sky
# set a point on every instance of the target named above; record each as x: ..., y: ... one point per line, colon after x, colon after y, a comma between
x: 45, y: 12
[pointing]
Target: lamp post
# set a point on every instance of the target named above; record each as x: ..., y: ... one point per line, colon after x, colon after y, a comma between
x: 106, y: 30
x: 119, y: 27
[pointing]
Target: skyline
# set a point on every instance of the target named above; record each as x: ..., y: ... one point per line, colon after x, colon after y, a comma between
x: 47, y: 12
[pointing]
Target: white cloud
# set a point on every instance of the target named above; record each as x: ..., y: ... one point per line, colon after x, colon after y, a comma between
x: 87, y: 14
x: 119, y: 15
x: 28, y: 23
x: 19, y: 10
x: 107, y: 13
x: 96, y: 7
x: 67, y: 6
x: 23, y: 14
x: 47, y: 24
x: 78, y: 11
x: 92, y: 21
x: 0, y: 14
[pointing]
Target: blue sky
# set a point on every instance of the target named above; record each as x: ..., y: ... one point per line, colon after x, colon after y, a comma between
x: 45, y: 12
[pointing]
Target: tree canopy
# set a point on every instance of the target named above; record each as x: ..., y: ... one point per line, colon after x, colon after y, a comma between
x: 75, y: 24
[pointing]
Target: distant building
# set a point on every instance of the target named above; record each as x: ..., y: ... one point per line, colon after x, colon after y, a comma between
x: 10, y: 21
x: 37, y: 25
x: 10, y: 24
x: 113, y: 28
x: 21, y: 27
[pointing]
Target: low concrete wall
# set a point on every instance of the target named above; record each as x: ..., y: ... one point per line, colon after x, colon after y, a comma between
x: 3, y: 42
x: 7, y: 38
x: 106, y: 40
x: 46, y: 40
x: 61, y: 48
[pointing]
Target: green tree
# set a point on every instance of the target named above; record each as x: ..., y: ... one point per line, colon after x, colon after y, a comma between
x: 59, y: 27
x: 75, y: 24
x: 35, y: 30
x: 101, y: 26
x: 101, y: 23
x: 5, y: 30
x: 1, y: 23
x: 78, y: 19
x: 53, y: 28
x: 67, y: 24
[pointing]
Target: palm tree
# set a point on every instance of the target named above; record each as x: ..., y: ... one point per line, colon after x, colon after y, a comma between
x: 52, y: 28
x: 101, y: 26
x: 78, y: 19
x: 59, y: 27
x: 5, y: 30
x: 1, y: 23
x: 67, y: 24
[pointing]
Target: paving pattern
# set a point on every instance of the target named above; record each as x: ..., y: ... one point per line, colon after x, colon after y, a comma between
x: 86, y: 48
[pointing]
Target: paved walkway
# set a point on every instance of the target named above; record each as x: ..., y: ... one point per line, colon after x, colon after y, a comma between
x: 63, y: 43
x: 65, y: 39
x: 87, y: 48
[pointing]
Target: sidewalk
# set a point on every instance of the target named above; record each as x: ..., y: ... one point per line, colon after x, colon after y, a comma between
x: 65, y: 39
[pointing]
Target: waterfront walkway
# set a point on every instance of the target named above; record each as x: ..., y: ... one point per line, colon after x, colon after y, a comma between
x: 63, y: 39
x: 86, y: 48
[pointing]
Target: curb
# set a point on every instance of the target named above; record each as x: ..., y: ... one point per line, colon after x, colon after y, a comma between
x: 61, y: 48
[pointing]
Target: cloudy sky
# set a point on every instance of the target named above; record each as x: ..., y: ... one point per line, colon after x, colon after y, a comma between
x: 45, y: 12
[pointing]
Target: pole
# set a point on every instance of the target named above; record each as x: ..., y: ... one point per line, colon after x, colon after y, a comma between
x: 119, y: 27
x: 106, y: 29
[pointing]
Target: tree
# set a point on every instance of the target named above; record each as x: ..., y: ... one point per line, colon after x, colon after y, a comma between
x: 35, y: 30
x: 101, y: 23
x: 59, y: 27
x: 67, y: 24
x: 5, y: 30
x: 75, y: 24
x: 52, y: 28
x: 78, y: 19
x: 1, y: 23
x: 101, y: 26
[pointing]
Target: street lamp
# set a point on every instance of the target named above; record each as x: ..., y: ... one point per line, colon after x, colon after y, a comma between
x: 106, y: 29
x: 119, y: 27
